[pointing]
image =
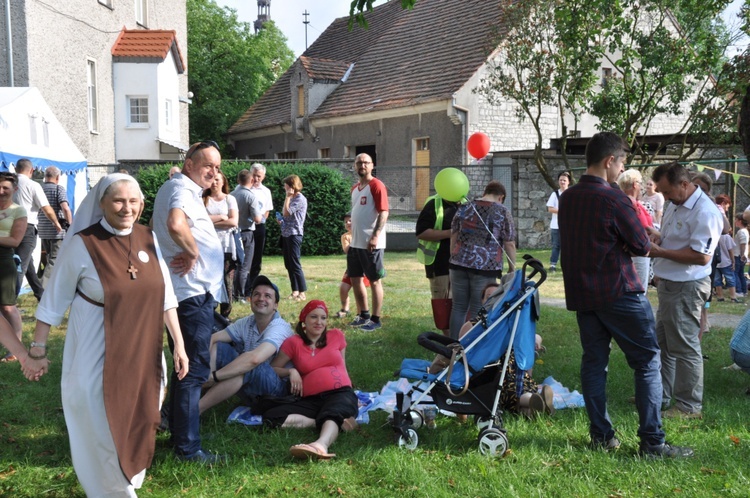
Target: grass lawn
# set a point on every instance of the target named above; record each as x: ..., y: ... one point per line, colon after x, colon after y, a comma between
x: 548, y: 456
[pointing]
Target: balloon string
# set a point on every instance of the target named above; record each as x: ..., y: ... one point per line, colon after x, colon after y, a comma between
x: 499, y: 245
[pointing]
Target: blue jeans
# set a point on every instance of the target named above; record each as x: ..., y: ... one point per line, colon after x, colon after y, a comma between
x: 728, y: 277
x: 291, y: 248
x: 259, y: 381
x: 196, y: 317
x: 25, y: 251
x: 242, y: 281
x: 630, y: 322
x: 555, y: 233
x: 467, y: 290
x: 740, y: 279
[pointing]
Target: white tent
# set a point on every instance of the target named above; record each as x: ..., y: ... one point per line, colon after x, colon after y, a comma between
x: 29, y: 129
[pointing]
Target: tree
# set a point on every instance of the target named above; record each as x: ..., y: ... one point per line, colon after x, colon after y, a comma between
x: 542, y: 62
x: 659, y: 71
x: 229, y: 67
x: 358, y: 8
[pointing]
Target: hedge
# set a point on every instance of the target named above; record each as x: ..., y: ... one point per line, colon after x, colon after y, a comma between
x: 327, y: 192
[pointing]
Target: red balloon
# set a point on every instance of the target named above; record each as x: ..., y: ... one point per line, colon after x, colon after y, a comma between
x: 478, y: 145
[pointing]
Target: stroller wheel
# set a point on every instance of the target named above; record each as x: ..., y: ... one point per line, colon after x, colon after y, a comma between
x: 410, y: 442
x: 417, y: 419
x: 483, y: 422
x: 492, y: 442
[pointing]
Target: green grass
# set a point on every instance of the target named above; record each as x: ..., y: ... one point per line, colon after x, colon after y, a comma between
x: 548, y: 456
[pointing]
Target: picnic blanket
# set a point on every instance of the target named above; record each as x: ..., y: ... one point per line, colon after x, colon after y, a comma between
x: 386, y: 400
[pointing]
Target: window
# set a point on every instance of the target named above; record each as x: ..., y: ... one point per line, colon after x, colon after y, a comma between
x: 32, y: 128
x: 45, y: 132
x: 287, y: 155
x: 324, y: 153
x: 92, y: 97
x: 107, y: 3
x: 606, y: 75
x: 168, y: 113
x: 141, y: 12
x: 138, y: 112
x: 300, y: 101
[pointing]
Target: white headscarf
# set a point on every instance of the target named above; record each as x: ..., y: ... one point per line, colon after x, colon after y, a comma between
x: 90, y: 211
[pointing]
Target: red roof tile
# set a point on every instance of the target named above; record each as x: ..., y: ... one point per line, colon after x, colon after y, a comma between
x: 324, y: 69
x: 149, y: 44
x: 406, y: 57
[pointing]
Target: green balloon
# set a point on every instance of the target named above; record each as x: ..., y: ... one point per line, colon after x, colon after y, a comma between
x: 451, y: 184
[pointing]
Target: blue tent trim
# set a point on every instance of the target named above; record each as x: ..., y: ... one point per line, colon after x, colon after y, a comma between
x: 69, y: 168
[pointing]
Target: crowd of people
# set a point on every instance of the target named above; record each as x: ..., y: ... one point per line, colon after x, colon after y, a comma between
x: 612, y: 239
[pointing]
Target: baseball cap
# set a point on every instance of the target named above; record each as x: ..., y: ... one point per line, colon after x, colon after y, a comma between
x: 263, y: 280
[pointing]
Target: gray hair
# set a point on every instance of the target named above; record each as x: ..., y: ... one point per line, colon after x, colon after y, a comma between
x: 628, y: 178
x: 258, y: 167
x: 51, y: 172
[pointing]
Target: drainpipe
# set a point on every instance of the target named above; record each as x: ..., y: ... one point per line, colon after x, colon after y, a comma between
x: 10, y: 42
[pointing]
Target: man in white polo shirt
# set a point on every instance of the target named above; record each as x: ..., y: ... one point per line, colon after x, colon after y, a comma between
x: 690, y: 231
x: 193, y: 251
x: 30, y: 196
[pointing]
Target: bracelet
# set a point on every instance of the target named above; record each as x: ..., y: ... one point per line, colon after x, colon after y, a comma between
x: 216, y: 379
x: 37, y: 357
x: 34, y: 344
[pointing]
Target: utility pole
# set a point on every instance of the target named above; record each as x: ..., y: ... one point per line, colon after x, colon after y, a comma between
x: 305, y: 22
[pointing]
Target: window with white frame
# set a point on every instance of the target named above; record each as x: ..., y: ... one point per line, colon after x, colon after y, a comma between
x: 168, y: 119
x: 93, y: 99
x: 141, y: 12
x: 137, y: 112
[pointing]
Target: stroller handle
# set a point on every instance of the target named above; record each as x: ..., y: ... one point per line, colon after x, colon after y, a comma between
x: 437, y: 343
x: 536, y: 267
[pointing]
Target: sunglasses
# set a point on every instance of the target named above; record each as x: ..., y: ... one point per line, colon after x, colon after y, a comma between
x: 200, y: 146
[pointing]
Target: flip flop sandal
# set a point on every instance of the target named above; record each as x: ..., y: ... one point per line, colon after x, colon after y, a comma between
x: 303, y: 451
x: 9, y: 358
x: 342, y: 314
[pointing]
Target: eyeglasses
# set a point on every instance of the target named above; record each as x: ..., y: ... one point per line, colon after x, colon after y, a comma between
x: 360, y: 163
x: 200, y: 146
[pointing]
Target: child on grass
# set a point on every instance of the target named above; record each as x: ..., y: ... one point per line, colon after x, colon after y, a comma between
x: 725, y: 269
x: 346, y: 283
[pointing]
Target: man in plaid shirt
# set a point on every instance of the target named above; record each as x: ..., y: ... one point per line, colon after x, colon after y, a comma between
x: 599, y: 230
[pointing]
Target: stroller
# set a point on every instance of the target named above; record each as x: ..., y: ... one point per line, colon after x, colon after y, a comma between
x: 472, y: 382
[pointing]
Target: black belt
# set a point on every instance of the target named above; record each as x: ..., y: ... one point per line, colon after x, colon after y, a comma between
x: 247, y: 230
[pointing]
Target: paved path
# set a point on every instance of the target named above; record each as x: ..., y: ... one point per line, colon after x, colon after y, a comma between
x: 721, y: 320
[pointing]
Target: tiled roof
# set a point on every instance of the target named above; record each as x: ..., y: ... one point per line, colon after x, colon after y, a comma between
x: 148, y: 45
x: 406, y: 57
x: 324, y: 69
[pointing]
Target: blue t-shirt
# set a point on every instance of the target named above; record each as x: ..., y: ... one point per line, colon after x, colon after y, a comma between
x: 245, y: 336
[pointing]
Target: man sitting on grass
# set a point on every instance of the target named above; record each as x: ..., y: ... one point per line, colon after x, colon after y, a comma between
x: 240, y: 354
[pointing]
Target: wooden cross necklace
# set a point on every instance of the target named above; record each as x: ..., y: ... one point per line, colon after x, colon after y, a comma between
x: 131, y: 269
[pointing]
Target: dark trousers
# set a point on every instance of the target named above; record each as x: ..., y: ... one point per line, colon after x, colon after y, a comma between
x: 291, y: 248
x: 242, y: 282
x: 630, y: 322
x: 260, y: 245
x: 25, y: 251
x: 196, y: 317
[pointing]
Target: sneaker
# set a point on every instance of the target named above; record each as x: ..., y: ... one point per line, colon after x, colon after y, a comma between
x: 358, y: 321
x: 665, y: 450
x: 552, y: 269
x: 369, y: 326
x: 610, y: 444
x: 675, y: 412
x: 201, y: 456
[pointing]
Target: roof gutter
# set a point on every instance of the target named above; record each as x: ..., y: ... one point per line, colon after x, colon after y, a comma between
x: 10, y: 42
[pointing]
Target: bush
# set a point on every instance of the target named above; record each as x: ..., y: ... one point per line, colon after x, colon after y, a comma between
x: 326, y: 190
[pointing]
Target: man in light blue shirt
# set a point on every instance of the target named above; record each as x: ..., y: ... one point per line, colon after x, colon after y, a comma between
x: 192, y: 249
x: 241, y: 354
